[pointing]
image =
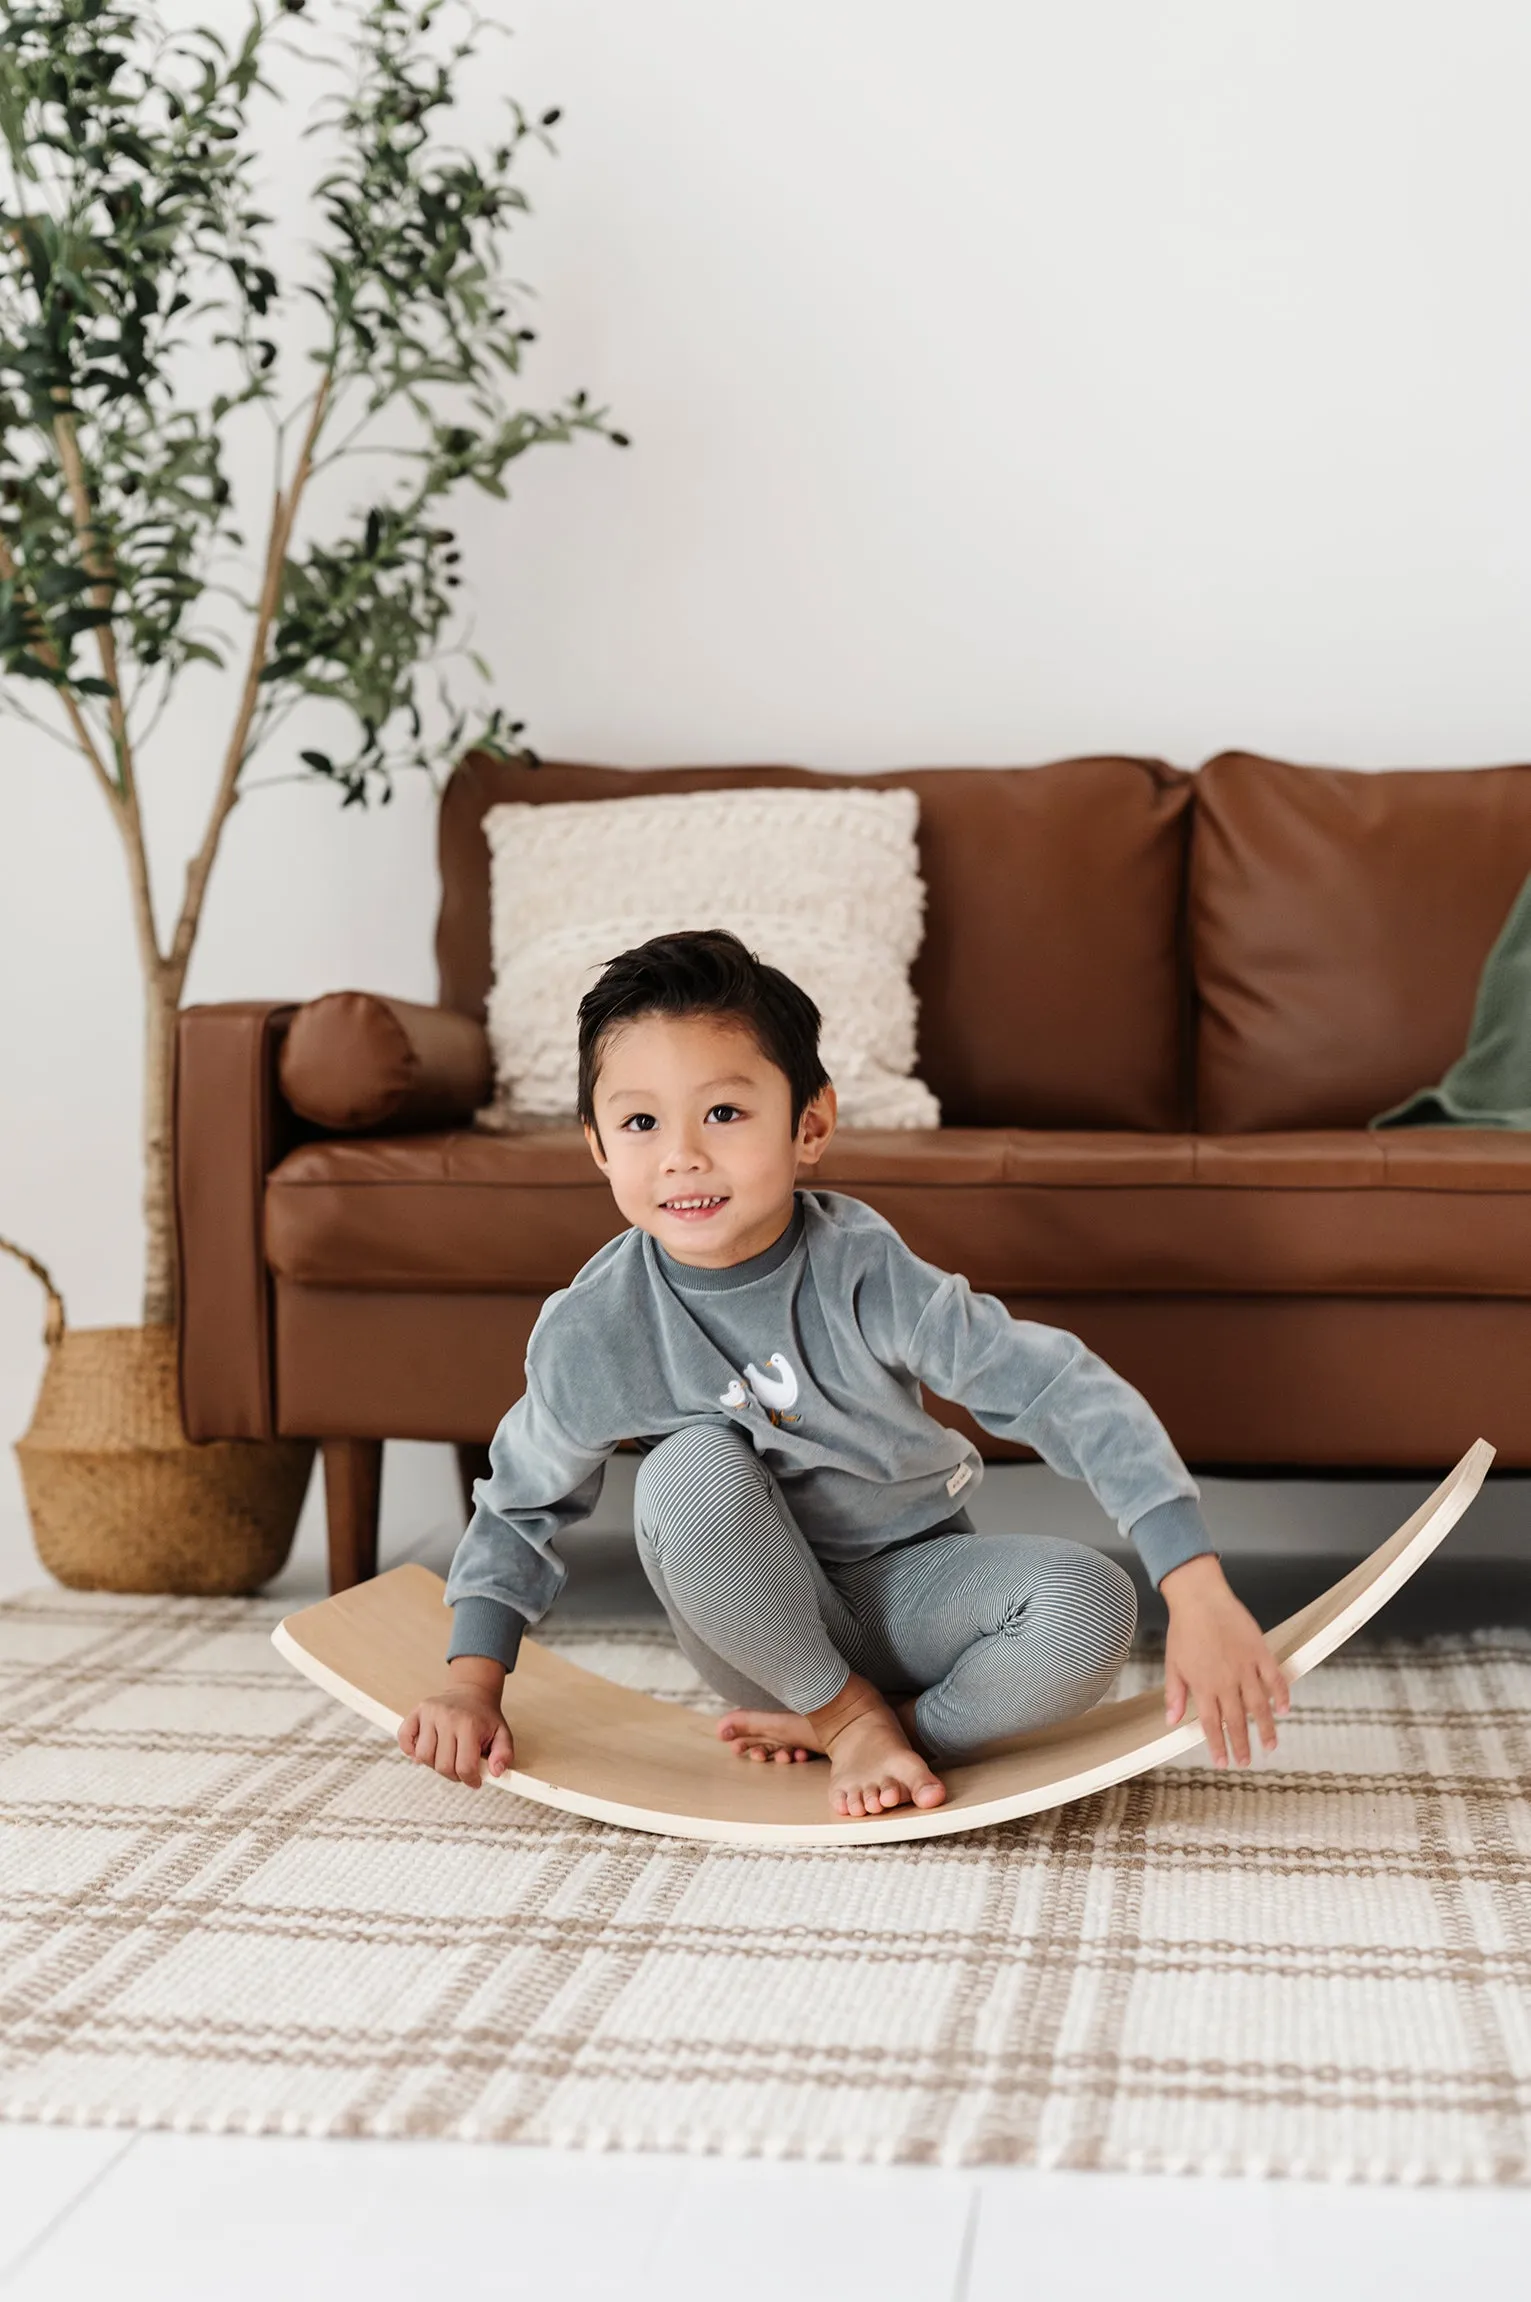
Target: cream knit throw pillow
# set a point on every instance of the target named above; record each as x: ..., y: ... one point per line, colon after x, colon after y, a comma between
x: 823, y: 884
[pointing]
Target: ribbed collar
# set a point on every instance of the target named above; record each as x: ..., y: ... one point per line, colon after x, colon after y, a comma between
x: 698, y: 1279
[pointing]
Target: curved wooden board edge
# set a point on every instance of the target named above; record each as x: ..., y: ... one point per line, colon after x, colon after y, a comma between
x: 332, y: 1644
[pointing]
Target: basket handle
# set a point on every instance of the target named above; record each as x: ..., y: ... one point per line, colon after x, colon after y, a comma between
x: 53, y: 1325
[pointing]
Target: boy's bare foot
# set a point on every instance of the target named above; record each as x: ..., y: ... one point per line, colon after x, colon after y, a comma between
x: 779, y: 1735
x: 872, y: 1765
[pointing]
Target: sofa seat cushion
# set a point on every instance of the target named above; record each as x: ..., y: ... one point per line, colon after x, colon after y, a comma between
x: 1417, y: 1213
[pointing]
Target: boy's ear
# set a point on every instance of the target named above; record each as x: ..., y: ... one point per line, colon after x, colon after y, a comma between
x: 594, y: 1142
x: 816, y: 1126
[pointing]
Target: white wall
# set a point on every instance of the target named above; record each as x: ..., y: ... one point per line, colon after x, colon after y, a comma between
x: 1005, y: 380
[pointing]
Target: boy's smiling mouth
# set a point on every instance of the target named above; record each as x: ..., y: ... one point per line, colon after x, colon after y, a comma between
x: 694, y: 1206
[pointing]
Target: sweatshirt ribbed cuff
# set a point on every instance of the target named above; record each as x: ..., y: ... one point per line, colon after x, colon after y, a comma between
x: 1170, y: 1534
x: 486, y: 1627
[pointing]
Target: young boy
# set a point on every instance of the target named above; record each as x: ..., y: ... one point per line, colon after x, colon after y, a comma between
x: 765, y: 1347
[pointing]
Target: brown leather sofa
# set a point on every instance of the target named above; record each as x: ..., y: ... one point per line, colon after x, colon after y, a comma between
x: 1158, y: 1009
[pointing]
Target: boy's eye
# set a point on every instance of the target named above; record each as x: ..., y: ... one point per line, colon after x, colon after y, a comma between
x: 649, y: 1120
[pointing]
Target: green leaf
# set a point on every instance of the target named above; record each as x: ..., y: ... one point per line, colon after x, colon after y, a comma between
x: 78, y: 619
x: 56, y: 583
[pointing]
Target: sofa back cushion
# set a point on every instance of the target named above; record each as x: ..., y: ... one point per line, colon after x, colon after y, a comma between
x: 1339, y: 923
x: 1051, y: 980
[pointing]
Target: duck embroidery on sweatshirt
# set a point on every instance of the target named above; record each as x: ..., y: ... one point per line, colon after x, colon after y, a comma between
x: 777, y: 1393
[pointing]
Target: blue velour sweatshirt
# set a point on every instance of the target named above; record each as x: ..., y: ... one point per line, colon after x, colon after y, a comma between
x: 815, y: 1350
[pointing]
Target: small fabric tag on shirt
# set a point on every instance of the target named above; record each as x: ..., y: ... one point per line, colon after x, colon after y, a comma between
x: 959, y: 1477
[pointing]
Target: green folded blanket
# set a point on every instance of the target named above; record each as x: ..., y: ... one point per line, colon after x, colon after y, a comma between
x: 1490, y: 1085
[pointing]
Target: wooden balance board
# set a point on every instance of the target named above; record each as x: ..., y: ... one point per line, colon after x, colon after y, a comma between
x: 600, y: 1750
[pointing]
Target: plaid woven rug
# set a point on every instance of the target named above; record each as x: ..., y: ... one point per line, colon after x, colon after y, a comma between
x: 226, y: 1903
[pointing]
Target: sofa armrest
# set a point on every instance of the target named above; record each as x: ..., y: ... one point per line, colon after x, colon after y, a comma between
x: 232, y: 1125
x: 355, y: 1061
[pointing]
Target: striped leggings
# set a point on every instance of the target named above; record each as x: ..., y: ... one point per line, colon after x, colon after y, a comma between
x: 995, y: 1633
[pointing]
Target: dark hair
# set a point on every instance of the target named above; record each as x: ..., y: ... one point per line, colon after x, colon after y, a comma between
x: 704, y: 971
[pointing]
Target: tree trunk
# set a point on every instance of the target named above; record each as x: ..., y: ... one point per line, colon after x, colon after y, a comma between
x: 161, y: 1005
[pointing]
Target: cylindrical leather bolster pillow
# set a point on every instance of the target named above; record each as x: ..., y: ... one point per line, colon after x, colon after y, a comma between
x: 355, y: 1060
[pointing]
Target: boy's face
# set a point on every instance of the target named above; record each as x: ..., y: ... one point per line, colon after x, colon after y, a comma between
x: 689, y: 1108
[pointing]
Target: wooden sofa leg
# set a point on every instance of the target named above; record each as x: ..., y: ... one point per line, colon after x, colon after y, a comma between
x: 353, y: 1488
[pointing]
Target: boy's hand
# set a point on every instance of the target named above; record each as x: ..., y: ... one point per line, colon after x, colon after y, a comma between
x: 457, y: 1731
x: 1216, y: 1655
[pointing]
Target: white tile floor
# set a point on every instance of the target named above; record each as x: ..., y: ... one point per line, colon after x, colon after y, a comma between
x: 91, y: 2213
x: 189, y: 2218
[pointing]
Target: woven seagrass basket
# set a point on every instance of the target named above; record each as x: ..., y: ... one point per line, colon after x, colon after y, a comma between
x: 119, y: 1498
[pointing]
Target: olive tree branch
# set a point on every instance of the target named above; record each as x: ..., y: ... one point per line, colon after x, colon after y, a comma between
x: 98, y: 566
x: 284, y: 512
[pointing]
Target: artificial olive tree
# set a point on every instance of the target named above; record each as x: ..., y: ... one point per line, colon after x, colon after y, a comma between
x: 131, y: 237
